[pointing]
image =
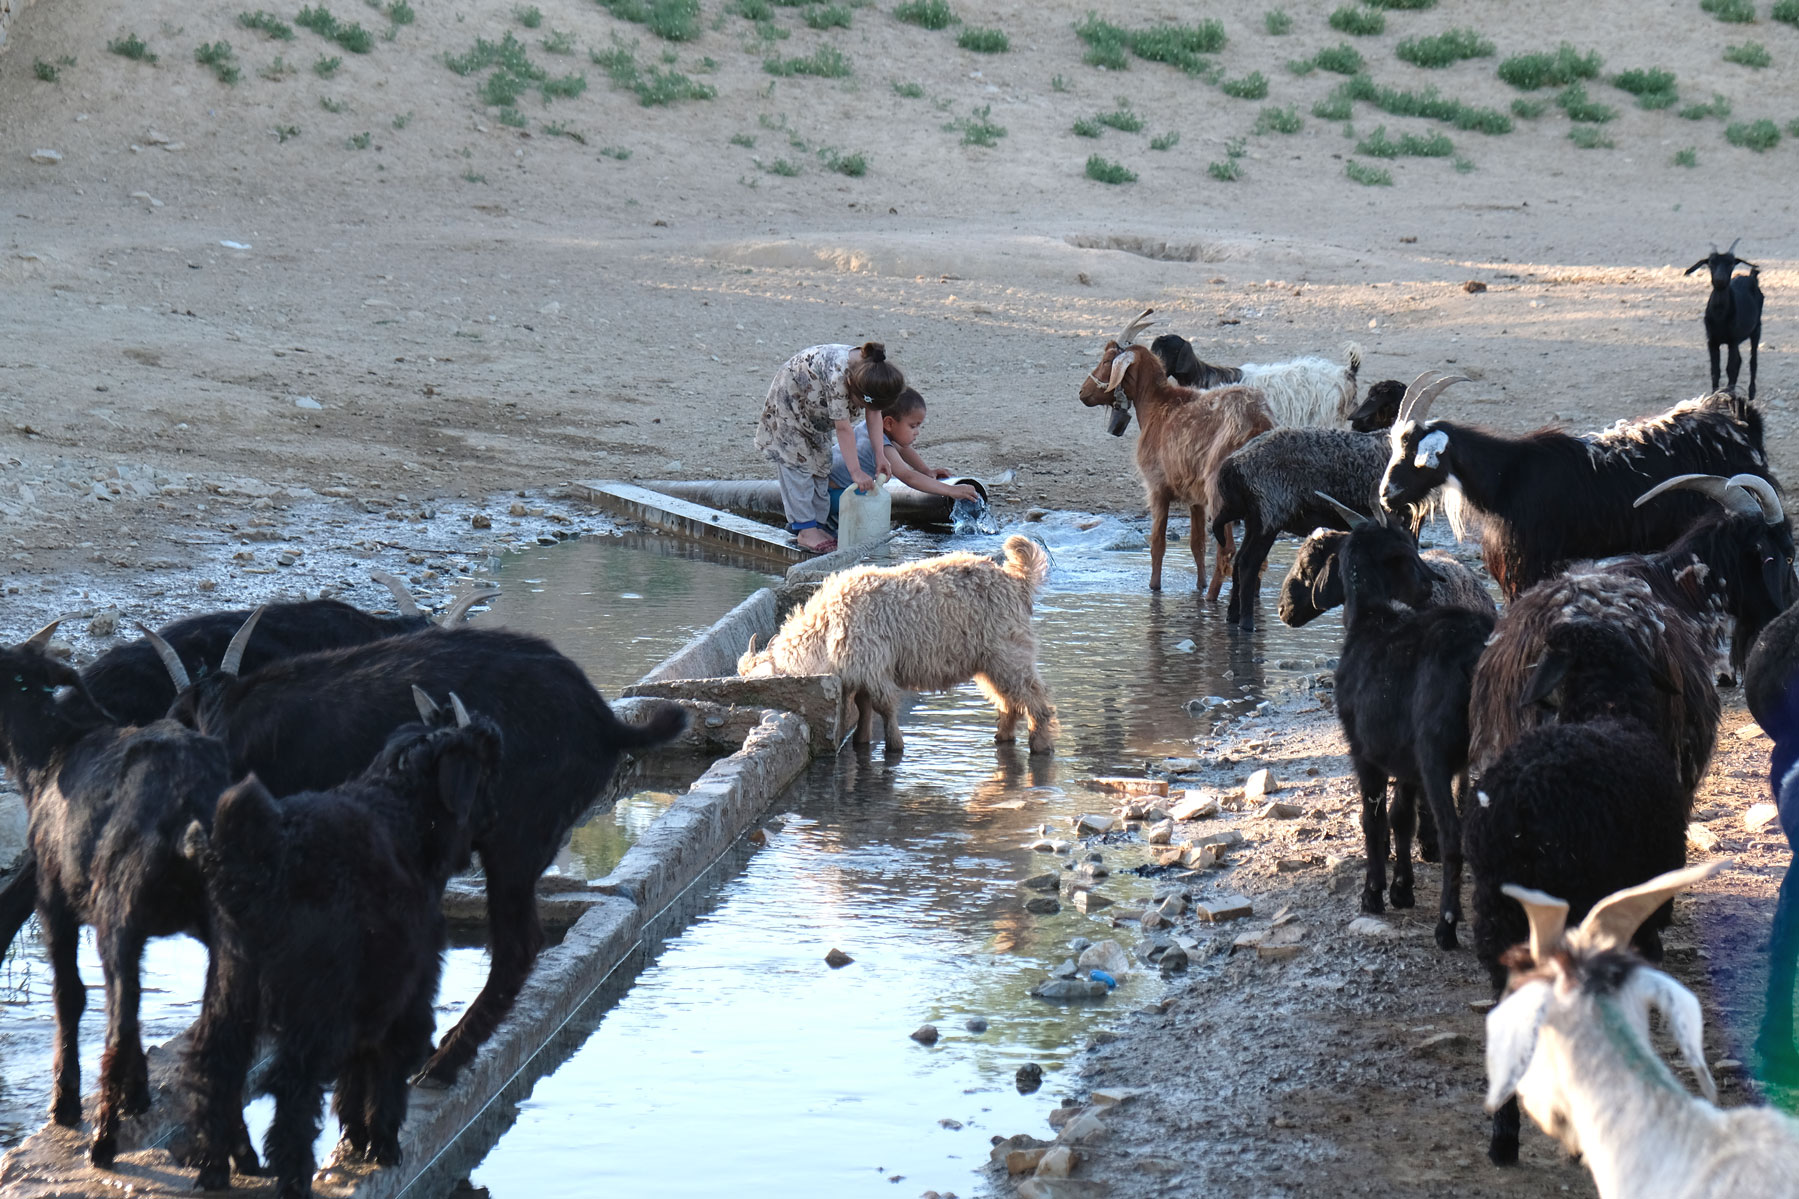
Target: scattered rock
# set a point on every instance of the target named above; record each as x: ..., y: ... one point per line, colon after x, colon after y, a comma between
x: 1474, y: 286
x: 480, y: 520
x: 1069, y: 988
x: 1701, y: 838
x: 1131, y: 786
x: 925, y: 1034
x: 1295, y: 865
x: 837, y: 959
x: 46, y: 158
x: 1084, y: 1127
x: 1039, y: 1187
x: 1758, y: 817
x: 308, y: 403
x: 1750, y: 731
x: 1042, y: 905
x: 975, y: 1024
x: 1028, y: 1078
x: 1261, y: 783
x: 1066, y: 970
x: 1199, y: 856
x: 1087, y: 902
x: 1094, y: 822
x: 104, y: 624
x: 1151, y: 919
x: 1042, y: 882
x: 1441, y: 1044
x: 1104, y: 1036
x: 1482, y: 1006
x: 1196, y: 804
x: 517, y: 508
x: 1107, y: 955
x: 1024, y: 1140
x: 1281, y: 811
x: 1225, y: 907
x: 1173, y: 960
x: 1024, y: 1161
x: 1275, y: 943
x: 1369, y: 926
x: 1112, y: 1096
x: 952, y: 1125
x: 1160, y: 833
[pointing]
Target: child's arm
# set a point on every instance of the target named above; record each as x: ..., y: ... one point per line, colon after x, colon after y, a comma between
x: 924, y: 480
x: 846, y: 446
x: 878, y: 439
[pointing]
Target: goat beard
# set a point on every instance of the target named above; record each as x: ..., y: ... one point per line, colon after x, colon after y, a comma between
x: 1119, y: 421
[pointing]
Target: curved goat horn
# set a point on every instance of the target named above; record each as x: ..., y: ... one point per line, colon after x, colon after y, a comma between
x: 171, y: 660
x: 1766, y: 498
x: 460, y: 609
x: 234, y: 653
x: 427, y: 706
x: 1411, y: 392
x: 402, y: 597
x: 1427, y: 394
x: 41, y: 638
x: 1137, y: 325
x: 1355, y: 519
x: 1548, y: 918
x: 1120, y: 364
x: 1615, y: 919
x: 462, y: 717
x: 1733, y: 247
x: 753, y: 639
x: 1737, y: 499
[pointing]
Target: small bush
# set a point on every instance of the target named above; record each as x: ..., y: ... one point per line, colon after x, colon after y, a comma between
x: 1253, y: 86
x: 1574, y: 101
x: 1749, y: 54
x: 360, y: 141
x: 1277, y: 22
x: 1653, y: 87
x: 854, y: 165
x: 1445, y: 49
x: 978, y: 128
x: 670, y: 20
x: 567, y: 87
x: 1462, y: 165
x: 1301, y: 66
x: 1786, y: 11
x: 1107, y: 44
x: 1404, y: 5
x: 1358, y: 21
x: 1165, y: 141
x: 1760, y: 136
x: 653, y: 88
x: 131, y: 46
x: 828, y: 16
x: 1279, y: 120
x: 324, y: 67
x: 1342, y: 59
x: 319, y: 20
x: 1379, y: 145
x: 751, y: 10
x: 278, y: 70
x: 399, y: 12
x: 1225, y: 172
x: 1101, y: 171
x: 559, y: 42
x: 1688, y: 157
x: 827, y: 62
x: 1057, y: 83
x: 286, y: 132
x: 1719, y: 107
x: 1735, y: 12
x: 217, y: 55
x: 267, y: 23
x: 45, y: 72
x: 910, y: 91
x: 1427, y: 104
x: 1182, y: 46
x: 1335, y: 107
x: 512, y: 118
x: 984, y: 41
x: 1121, y: 118
x: 401, y: 121
x: 1589, y: 137
x: 355, y: 39
x: 530, y: 17
x: 1530, y: 110
x: 1087, y: 127
x: 616, y: 153
x: 927, y: 14
x: 1368, y: 176
x: 781, y: 166
x: 333, y: 106
x: 1793, y: 128
x: 1528, y: 72
x: 746, y: 140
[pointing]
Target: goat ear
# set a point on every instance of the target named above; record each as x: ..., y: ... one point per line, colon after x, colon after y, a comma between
x: 461, y: 771
x: 1685, y: 1020
x: 194, y: 843
x: 1120, y: 364
x: 1696, y: 266
x: 1545, y: 677
x: 1512, y: 1029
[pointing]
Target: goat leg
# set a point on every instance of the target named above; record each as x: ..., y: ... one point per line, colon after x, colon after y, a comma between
x: 62, y: 932
x: 407, y: 1043
x: 1439, y: 793
x: 217, y: 1065
x: 515, y: 937
x: 350, y: 1099
x: 890, y: 728
x: 1246, y: 576
x: 1158, y: 541
x: 1502, y: 1149
x: 1733, y: 366
x: 1374, y: 835
x: 1774, y: 1043
x: 1402, y: 817
x: 124, y: 1077
x: 865, y: 717
x: 1221, y: 565
x: 1711, y: 348
x: 299, y: 1106
x: 1196, y: 540
x: 1755, y: 336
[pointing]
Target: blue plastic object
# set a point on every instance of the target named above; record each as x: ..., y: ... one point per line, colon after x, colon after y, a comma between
x: 1100, y: 976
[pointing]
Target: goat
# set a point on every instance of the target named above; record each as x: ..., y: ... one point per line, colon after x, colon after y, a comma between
x: 1733, y: 312
x: 1314, y: 585
x: 1402, y: 695
x: 1582, y: 807
x: 311, y: 722
x: 328, y: 910
x: 1301, y: 391
x: 1550, y: 498
x: 1771, y: 689
x: 1186, y: 435
x: 107, y: 808
x: 1272, y: 485
x: 130, y: 682
x: 1571, y: 1042
x: 923, y: 626
x: 1736, y: 565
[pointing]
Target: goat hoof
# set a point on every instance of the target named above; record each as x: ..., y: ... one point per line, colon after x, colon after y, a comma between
x: 103, y: 1151
x: 214, y: 1176
x: 1004, y: 739
x: 1503, y: 1152
x: 1400, y: 895
x: 433, y: 1079
x: 1446, y: 935
x: 384, y: 1151
x: 246, y: 1162
x: 1428, y: 851
x: 67, y: 1113
x: 1043, y: 751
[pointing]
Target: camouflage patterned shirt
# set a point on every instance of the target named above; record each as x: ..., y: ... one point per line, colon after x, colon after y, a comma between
x: 808, y: 395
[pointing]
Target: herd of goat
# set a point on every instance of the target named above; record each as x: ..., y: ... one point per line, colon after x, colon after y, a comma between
x: 295, y: 785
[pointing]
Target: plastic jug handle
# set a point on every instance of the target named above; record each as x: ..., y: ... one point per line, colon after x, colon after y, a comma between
x: 880, y: 480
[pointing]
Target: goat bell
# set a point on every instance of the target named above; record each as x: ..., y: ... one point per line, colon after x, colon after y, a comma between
x: 1120, y: 418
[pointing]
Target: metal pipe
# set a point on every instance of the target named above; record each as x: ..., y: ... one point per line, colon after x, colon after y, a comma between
x: 760, y: 497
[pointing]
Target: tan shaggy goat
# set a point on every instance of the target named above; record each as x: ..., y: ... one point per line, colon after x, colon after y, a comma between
x: 923, y: 626
x: 1186, y: 436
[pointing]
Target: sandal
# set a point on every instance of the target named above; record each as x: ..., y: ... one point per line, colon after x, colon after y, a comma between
x: 824, y: 547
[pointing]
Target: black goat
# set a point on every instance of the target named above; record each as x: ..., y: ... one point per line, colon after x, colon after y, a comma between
x: 311, y: 722
x: 1771, y: 689
x: 1733, y: 312
x: 330, y: 931
x: 1402, y: 695
x: 1580, y: 808
x: 1314, y: 585
x: 108, y: 807
x: 1726, y: 577
x: 1187, y: 368
x: 1272, y: 485
x: 1550, y: 498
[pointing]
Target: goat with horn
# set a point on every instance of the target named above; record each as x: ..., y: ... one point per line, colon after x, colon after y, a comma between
x: 1549, y: 498
x: 1733, y: 312
x: 1185, y: 436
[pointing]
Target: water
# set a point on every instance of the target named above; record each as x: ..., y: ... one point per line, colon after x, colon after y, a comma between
x: 740, y: 1063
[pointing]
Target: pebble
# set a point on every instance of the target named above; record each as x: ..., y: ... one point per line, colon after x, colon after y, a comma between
x: 1173, y: 960
x: 1441, y: 1043
x: 1160, y: 833
x: 1028, y: 1078
x: 1759, y: 816
x: 1087, y: 902
x: 104, y: 624
x: 1281, y: 811
x: 46, y: 158
x: 1224, y: 907
x: 975, y: 1024
x: 1196, y: 804
x: 480, y: 520
x: 1113, y: 1096
x: 1095, y: 822
x: 925, y: 1034
x: 1107, y: 955
x: 516, y: 508
x: 1132, y: 786
x: 1069, y: 988
x: 952, y: 1125
x: 1042, y: 882
x: 837, y: 959
x: 1750, y: 731
x: 308, y: 403
x: 1368, y: 926
x: 1261, y: 783
x: 1085, y: 1127
x: 1042, y: 905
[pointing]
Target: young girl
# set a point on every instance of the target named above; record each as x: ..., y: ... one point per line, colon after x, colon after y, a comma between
x: 899, y: 429
x: 819, y: 391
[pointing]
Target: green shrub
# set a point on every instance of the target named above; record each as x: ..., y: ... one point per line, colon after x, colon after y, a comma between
x: 1574, y: 101
x: 1335, y: 107
x: 512, y: 118
x: 1182, y: 46
x: 1688, y: 157
x: 1165, y: 141
x: 1121, y: 118
x: 133, y: 47
x: 1760, y: 136
x: 1359, y: 21
x: 530, y: 17
x: 1253, y: 86
x: 1786, y: 11
x: 670, y: 20
x: 1101, y: 171
x: 1087, y: 127
x: 45, y: 72
x: 1528, y: 72
x: 1736, y: 12
x: 1445, y: 49
x: 910, y: 91
x: 983, y: 41
x: 746, y: 140
x: 1279, y: 120
x: 654, y: 88
x: 1749, y: 54
x: 616, y: 153
x: 1368, y: 176
x: 1589, y: 137
x: 565, y: 87
x: 1379, y: 145
x: 1653, y: 87
x: 751, y: 10
x: 355, y: 38
x: 1343, y: 59
x: 1793, y: 128
x: 826, y: 62
x: 781, y: 166
x: 268, y: 23
x: 978, y: 128
x: 1462, y: 165
x: 928, y: 14
x: 324, y: 67
x: 1427, y: 104
x: 319, y: 20
x: 1530, y: 110
x: 854, y: 165
x: 1403, y: 5
x: 1719, y: 107
x: 217, y: 55
x: 399, y: 12
x: 559, y: 42
x: 1225, y: 172
x: 828, y: 16
x: 1277, y: 22
x: 1301, y: 66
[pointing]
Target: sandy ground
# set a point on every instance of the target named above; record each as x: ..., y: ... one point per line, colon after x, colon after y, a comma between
x: 400, y: 306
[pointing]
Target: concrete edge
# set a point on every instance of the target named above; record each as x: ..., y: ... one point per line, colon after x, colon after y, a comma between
x: 714, y: 652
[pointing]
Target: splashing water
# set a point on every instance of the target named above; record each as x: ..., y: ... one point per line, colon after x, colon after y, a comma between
x: 973, y: 516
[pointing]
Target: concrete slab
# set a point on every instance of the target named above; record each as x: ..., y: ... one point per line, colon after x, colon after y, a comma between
x: 689, y: 519
x: 714, y: 653
x: 817, y: 698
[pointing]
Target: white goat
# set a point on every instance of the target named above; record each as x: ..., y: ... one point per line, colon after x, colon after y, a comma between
x: 923, y: 626
x: 1572, y: 1042
x: 1301, y: 391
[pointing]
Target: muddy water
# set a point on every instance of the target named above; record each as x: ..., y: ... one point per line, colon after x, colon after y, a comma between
x: 740, y: 1063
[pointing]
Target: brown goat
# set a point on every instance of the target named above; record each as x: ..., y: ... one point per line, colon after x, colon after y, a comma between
x: 1186, y: 436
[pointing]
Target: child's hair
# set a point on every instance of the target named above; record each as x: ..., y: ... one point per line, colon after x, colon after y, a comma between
x: 874, y: 378
x: 908, y: 402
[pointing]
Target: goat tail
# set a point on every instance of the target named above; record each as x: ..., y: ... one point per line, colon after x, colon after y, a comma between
x: 1026, y: 561
x: 664, y: 725
x: 1354, y: 358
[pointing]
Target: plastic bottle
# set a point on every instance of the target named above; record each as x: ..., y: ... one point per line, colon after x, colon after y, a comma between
x: 862, y: 516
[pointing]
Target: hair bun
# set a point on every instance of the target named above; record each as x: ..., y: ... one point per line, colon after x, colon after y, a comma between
x: 874, y: 351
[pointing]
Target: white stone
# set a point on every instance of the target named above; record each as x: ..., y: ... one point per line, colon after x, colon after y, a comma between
x: 1368, y: 926
x: 1095, y: 822
x: 1196, y: 804
x: 1701, y: 838
x: 1107, y: 955
x: 1759, y: 816
x: 46, y: 158
x: 1260, y: 783
x: 308, y: 403
x: 1750, y: 731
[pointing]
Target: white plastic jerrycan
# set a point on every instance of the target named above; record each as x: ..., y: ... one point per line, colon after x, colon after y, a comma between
x: 863, y: 516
